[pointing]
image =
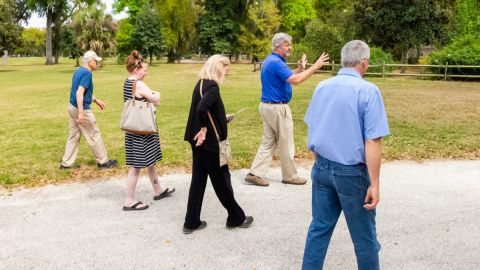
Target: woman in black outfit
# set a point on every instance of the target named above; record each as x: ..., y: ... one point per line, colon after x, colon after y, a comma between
x: 201, y: 135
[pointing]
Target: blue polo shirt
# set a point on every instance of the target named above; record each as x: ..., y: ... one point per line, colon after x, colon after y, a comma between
x: 274, y: 76
x: 82, y: 76
x: 345, y: 111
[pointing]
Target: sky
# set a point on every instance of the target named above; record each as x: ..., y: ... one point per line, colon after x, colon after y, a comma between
x: 38, y: 22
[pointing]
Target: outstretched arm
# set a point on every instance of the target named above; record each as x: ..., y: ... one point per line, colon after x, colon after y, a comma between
x: 304, y: 75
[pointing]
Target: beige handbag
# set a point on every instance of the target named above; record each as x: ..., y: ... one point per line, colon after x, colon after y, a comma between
x: 224, y: 151
x: 138, y: 116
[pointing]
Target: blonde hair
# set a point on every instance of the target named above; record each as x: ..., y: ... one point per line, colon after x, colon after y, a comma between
x: 214, y: 68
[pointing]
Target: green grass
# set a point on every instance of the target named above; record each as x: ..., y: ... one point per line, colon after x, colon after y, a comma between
x: 428, y: 119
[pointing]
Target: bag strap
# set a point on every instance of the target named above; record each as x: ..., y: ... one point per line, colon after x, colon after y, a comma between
x: 134, y: 89
x: 208, y: 112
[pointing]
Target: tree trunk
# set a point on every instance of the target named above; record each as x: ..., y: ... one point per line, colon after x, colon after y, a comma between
x: 404, y: 59
x: 170, y: 56
x: 56, y: 43
x: 5, y: 57
x: 48, y: 43
x: 151, y: 58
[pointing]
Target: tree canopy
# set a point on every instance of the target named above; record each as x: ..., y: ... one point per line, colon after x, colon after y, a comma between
x: 177, y: 28
x: 10, y: 31
x: 146, y: 36
x: 398, y: 25
x: 217, y: 28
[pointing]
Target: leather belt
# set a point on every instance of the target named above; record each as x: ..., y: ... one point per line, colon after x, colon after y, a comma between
x: 271, y: 102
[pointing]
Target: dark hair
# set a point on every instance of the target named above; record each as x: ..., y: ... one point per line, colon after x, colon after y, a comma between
x: 134, y: 61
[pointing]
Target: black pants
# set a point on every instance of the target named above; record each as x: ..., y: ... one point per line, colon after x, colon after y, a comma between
x: 206, y: 163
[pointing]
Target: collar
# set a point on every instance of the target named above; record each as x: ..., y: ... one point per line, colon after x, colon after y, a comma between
x: 349, y: 72
x: 278, y: 55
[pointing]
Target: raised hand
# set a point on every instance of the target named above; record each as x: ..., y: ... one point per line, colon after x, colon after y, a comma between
x: 302, y: 62
x: 322, y: 60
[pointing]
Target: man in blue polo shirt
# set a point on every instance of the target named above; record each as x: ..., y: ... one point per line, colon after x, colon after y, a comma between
x: 277, y: 79
x: 346, y: 121
x: 82, y: 120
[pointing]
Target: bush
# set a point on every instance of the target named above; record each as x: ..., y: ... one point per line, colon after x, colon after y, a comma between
x: 463, y: 50
x: 320, y: 38
x: 121, y: 58
x: 300, y: 49
x: 378, y: 57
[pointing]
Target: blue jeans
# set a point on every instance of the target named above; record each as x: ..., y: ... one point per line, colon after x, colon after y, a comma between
x: 337, y: 187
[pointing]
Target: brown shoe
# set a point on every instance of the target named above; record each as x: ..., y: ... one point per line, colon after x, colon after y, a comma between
x: 295, y: 181
x: 256, y: 180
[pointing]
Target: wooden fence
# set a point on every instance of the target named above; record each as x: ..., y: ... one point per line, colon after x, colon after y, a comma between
x: 425, y: 70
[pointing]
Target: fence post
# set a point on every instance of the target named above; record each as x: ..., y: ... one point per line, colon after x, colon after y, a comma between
x: 446, y: 68
x: 333, y: 68
x: 383, y: 70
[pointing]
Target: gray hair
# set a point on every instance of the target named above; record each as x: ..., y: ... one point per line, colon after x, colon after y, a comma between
x: 354, y: 52
x: 279, y: 38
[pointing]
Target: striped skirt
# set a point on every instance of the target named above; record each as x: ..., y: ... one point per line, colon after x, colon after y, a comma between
x: 142, y: 150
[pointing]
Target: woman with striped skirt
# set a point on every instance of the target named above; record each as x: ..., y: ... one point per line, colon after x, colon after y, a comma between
x: 142, y: 151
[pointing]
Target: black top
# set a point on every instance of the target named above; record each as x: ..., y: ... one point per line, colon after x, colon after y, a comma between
x: 198, y: 116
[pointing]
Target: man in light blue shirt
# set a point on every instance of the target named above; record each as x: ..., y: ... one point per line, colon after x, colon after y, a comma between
x: 346, y: 121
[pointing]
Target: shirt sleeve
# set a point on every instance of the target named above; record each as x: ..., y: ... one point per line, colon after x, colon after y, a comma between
x: 375, y: 118
x: 283, y: 71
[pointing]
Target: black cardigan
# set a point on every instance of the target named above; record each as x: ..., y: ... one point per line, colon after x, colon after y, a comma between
x: 198, y: 116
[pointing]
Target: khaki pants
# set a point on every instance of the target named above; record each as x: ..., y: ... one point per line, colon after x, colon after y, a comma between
x: 277, y: 133
x: 90, y: 131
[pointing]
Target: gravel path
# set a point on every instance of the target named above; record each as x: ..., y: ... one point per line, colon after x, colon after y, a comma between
x: 428, y: 218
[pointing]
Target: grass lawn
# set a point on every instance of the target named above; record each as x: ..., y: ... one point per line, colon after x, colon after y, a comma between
x: 428, y: 119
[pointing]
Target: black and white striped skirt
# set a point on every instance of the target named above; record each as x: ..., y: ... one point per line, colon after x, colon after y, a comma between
x: 142, y: 150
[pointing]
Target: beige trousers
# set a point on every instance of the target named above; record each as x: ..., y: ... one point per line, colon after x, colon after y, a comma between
x: 90, y: 131
x: 277, y: 133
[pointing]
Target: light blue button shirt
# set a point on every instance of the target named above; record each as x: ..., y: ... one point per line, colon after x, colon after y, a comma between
x: 345, y: 111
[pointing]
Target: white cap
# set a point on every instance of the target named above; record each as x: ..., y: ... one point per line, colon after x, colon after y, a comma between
x: 91, y: 55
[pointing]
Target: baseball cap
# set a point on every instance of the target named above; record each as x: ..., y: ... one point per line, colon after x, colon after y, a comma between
x: 89, y: 55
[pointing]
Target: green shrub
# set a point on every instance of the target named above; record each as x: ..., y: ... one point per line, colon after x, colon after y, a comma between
x: 320, y: 37
x: 378, y: 57
x: 463, y: 50
x: 300, y: 49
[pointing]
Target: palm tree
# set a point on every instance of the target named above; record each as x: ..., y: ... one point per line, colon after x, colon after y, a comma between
x: 94, y: 30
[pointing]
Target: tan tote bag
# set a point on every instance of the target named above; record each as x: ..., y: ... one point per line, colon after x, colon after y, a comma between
x: 138, y: 117
x: 224, y: 150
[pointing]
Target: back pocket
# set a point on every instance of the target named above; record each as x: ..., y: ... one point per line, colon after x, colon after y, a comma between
x: 351, y: 181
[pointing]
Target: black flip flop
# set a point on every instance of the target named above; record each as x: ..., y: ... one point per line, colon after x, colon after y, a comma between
x: 134, y: 207
x: 167, y: 193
